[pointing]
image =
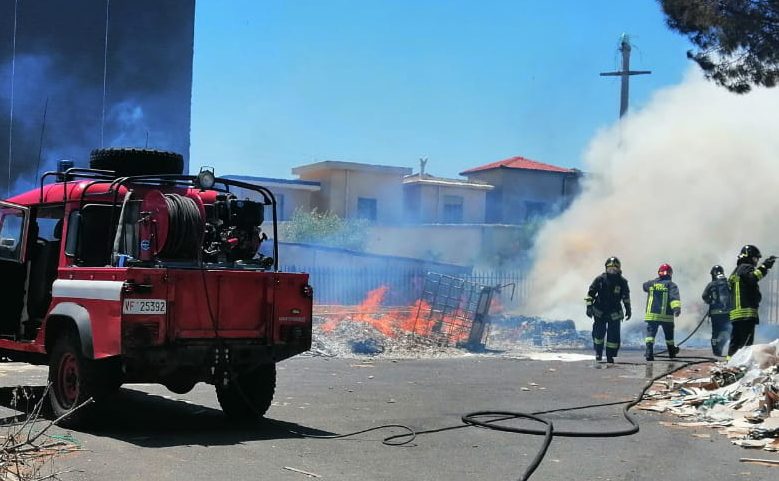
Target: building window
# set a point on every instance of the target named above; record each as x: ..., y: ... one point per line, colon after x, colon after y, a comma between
x: 536, y: 210
x: 366, y: 208
x: 453, y: 209
x: 279, y: 209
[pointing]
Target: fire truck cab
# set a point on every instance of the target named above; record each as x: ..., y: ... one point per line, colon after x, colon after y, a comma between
x: 130, y: 271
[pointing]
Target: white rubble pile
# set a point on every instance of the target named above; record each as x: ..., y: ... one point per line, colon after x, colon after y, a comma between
x: 741, y: 398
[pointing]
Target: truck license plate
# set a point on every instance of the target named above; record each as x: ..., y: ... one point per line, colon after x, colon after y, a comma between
x: 145, y: 306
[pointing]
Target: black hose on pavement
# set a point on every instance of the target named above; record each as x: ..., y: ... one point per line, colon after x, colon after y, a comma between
x: 493, y: 418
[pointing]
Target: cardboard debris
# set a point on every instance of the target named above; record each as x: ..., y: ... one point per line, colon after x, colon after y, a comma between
x: 763, y: 462
x: 741, y: 398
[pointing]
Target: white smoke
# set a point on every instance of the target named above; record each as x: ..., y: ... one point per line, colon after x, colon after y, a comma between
x: 686, y: 180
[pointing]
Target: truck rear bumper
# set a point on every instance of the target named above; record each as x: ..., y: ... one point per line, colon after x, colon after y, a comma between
x: 204, y: 360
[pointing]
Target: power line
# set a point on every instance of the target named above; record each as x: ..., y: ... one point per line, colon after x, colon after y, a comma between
x: 105, y: 72
x: 11, y: 116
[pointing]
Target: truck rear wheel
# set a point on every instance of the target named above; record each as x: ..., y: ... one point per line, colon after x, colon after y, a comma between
x: 249, y: 396
x: 69, y: 378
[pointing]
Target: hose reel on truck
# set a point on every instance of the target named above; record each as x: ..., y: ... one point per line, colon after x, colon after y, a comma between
x: 160, y: 221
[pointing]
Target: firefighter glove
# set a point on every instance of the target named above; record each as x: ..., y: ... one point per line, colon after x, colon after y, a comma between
x: 628, y: 312
x: 769, y: 262
x: 677, y: 312
x: 590, y: 311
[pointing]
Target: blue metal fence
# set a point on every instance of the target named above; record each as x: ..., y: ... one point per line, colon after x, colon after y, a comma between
x: 349, y: 285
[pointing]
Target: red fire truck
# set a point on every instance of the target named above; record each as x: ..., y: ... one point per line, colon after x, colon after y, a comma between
x: 130, y: 271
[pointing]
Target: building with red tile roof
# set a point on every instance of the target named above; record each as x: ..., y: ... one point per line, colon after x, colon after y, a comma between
x: 518, y: 162
x: 524, y: 189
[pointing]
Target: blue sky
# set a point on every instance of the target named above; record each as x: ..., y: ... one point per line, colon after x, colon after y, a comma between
x: 284, y: 83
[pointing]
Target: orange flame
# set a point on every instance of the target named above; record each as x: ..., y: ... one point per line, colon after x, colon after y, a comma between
x: 399, y: 321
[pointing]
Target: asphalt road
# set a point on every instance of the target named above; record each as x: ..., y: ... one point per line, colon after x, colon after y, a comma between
x: 149, y: 433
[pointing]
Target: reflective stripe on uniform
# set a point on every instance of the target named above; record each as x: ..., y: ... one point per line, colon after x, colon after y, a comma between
x: 758, y: 274
x: 649, y: 339
x: 651, y: 316
x: 650, y: 299
x: 597, y: 341
x: 737, y: 292
x: 612, y: 345
x: 676, y: 304
x: 742, y: 313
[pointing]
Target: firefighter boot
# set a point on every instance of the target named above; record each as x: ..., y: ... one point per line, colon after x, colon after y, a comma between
x: 650, y: 352
x: 598, y: 352
x: 672, y: 351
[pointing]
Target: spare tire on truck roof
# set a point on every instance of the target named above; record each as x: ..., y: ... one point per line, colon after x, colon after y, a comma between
x: 129, y: 162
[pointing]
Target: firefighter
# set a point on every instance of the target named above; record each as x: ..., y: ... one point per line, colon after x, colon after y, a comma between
x: 717, y: 296
x: 746, y: 296
x: 607, y: 293
x: 662, y: 305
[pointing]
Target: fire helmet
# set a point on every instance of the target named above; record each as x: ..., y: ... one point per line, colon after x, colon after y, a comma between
x: 749, y: 251
x: 665, y: 270
x: 717, y: 271
x: 613, y: 262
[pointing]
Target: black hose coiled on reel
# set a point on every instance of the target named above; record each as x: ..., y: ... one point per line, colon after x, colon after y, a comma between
x: 185, y: 229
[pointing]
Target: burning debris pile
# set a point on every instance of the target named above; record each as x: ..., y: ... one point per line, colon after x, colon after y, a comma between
x: 352, y: 337
x: 434, y: 326
x: 372, y: 329
x: 741, y: 398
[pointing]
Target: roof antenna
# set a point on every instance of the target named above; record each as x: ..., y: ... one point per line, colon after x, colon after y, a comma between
x: 40, y: 143
x: 105, y: 72
x: 147, y: 139
x: 422, y: 164
x: 11, y: 117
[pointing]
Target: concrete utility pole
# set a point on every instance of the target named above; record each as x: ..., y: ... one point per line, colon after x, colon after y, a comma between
x: 625, y: 73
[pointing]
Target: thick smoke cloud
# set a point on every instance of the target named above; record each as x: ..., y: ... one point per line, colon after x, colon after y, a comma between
x: 60, y: 57
x: 687, y: 180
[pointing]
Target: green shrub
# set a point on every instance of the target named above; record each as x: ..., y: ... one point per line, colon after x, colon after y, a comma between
x: 326, y: 228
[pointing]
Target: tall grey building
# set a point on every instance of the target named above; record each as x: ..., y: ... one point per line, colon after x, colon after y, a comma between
x: 111, y: 73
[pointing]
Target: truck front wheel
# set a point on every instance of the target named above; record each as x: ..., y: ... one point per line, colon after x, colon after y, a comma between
x: 248, y: 397
x: 68, y: 375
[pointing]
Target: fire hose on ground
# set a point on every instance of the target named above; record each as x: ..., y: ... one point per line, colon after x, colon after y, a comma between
x: 490, y: 419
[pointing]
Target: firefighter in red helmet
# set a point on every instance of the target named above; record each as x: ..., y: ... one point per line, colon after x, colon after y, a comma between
x: 746, y: 296
x: 662, y: 306
x: 607, y: 293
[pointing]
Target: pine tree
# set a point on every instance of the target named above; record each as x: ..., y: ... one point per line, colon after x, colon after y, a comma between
x: 737, y: 41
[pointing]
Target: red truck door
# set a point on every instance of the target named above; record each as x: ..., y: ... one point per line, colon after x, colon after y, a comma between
x: 14, y: 239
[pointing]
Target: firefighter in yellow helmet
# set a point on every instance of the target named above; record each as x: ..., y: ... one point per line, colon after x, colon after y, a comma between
x: 745, y: 296
x: 607, y: 293
x: 662, y: 305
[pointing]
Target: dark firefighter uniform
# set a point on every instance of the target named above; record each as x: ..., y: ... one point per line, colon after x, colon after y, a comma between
x: 662, y: 305
x: 717, y: 296
x: 746, y: 296
x: 605, y: 297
